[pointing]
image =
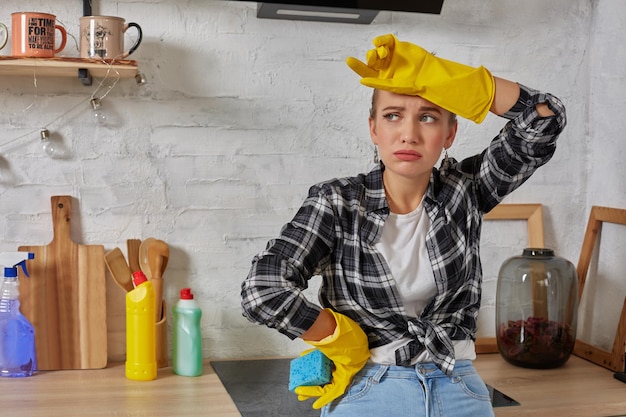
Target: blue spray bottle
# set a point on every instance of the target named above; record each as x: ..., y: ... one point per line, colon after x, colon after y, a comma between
x: 17, y: 335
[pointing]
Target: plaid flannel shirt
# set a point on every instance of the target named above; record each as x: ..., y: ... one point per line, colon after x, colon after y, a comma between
x: 333, y: 235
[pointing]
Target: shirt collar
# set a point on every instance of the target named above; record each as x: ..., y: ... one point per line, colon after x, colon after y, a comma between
x: 375, y: 190
x: 375, y: 199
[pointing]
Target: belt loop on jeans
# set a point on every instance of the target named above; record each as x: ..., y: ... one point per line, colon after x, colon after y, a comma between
x: 380, y: 373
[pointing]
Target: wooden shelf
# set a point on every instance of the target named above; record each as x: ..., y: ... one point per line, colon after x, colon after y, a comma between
x: 67, y: 67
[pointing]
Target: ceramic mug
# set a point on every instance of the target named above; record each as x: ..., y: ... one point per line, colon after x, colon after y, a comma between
x: 4, y: 35
x: 33, y: 35
x: 102, y: 37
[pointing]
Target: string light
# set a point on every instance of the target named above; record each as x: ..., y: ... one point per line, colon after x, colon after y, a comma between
x: 102, y: 115
x: 144, y: 89
x: 140, y: 79
x: 99, y: 113
x: 48, y: 146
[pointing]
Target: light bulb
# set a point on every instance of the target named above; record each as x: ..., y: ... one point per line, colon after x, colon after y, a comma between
x: 140, y: 78
x: 47, y: 146
x: 99, y: 113
x: 144, y: 89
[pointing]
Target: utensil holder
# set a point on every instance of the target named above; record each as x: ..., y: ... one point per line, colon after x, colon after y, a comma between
x: 161, y: 339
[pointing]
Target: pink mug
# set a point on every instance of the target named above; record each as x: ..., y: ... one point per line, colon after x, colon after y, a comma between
x: 33, y: 35
x: 102, y: 37
x: 4, y: 35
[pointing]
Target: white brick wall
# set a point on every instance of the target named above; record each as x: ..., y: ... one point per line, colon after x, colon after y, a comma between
x: 242, y: 114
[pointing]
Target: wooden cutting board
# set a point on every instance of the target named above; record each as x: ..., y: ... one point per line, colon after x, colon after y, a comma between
x: 65, y: 297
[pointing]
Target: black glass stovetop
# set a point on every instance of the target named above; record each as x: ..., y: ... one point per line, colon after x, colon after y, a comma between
x: 259, y: 389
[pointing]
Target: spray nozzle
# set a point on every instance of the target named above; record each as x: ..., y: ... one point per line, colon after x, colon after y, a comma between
x: 23, y: 266
x: 16, y: 260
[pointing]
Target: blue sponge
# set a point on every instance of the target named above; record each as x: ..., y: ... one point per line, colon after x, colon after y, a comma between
x: 311, y: 369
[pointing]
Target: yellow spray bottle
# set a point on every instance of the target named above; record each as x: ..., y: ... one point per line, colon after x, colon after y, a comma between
x: 141, y: 362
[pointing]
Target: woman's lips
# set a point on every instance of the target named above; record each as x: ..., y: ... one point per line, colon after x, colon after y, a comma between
x: 407, y: 155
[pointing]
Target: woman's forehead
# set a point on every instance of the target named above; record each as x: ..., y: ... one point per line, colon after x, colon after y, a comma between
x: 391, y: 97
x: 386, y: 99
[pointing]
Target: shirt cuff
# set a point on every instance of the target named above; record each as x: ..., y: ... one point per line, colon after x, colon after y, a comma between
x: 524, y: 101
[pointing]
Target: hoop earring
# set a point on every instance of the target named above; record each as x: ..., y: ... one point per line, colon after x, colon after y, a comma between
x: 376, y: 159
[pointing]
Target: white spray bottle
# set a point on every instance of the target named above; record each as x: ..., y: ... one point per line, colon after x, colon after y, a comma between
x: 17, y: 335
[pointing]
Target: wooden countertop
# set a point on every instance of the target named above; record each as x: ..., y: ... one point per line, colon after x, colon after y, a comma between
x: 107, y: 392
x: 577, y: 389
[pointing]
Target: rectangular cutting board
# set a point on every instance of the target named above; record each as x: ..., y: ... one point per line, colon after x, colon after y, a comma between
x: 65, y: 297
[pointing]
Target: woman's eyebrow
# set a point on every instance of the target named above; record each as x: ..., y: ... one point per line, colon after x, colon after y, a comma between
x: 422, y: 108
x: 397, y: 108
x: 430, y: 108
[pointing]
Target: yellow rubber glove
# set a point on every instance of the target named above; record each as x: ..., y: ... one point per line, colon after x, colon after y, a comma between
x: 404, y: 68
x: 348, y: 348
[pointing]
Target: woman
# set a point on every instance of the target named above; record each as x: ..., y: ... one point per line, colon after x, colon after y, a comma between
x: 398, y: 248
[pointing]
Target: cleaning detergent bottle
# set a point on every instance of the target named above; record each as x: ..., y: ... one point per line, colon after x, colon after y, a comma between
x: 18, y: 356
x: 141, y: 362
x: 187, y: 338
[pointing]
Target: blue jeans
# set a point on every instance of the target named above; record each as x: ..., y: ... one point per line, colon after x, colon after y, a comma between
x: 420, y: 391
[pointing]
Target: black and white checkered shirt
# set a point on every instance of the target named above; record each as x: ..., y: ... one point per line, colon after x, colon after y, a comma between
x: 333, y: 235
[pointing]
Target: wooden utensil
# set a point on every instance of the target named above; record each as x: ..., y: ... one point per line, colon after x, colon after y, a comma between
x: 119, y: 269
x: 132, y: 249
x: 65, y: 297
x: 143, y: 257
x: 158, y: 256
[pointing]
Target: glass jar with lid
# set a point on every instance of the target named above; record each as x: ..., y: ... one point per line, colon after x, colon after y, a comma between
x: 536, y: 309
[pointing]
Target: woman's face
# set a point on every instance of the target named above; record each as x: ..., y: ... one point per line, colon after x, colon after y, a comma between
x: 410, y: 133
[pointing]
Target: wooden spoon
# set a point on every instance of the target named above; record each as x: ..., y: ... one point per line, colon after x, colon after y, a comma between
x: 144, y: 265
x: 132, y: 249
x: 119, y: 269
x: 158, y: 248
x: 158, y: 256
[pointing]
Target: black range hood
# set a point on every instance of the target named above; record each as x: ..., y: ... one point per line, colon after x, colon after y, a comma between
x: 342, y: 11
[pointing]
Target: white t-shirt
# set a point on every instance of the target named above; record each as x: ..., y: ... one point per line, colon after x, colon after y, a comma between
x: 403, y: 245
